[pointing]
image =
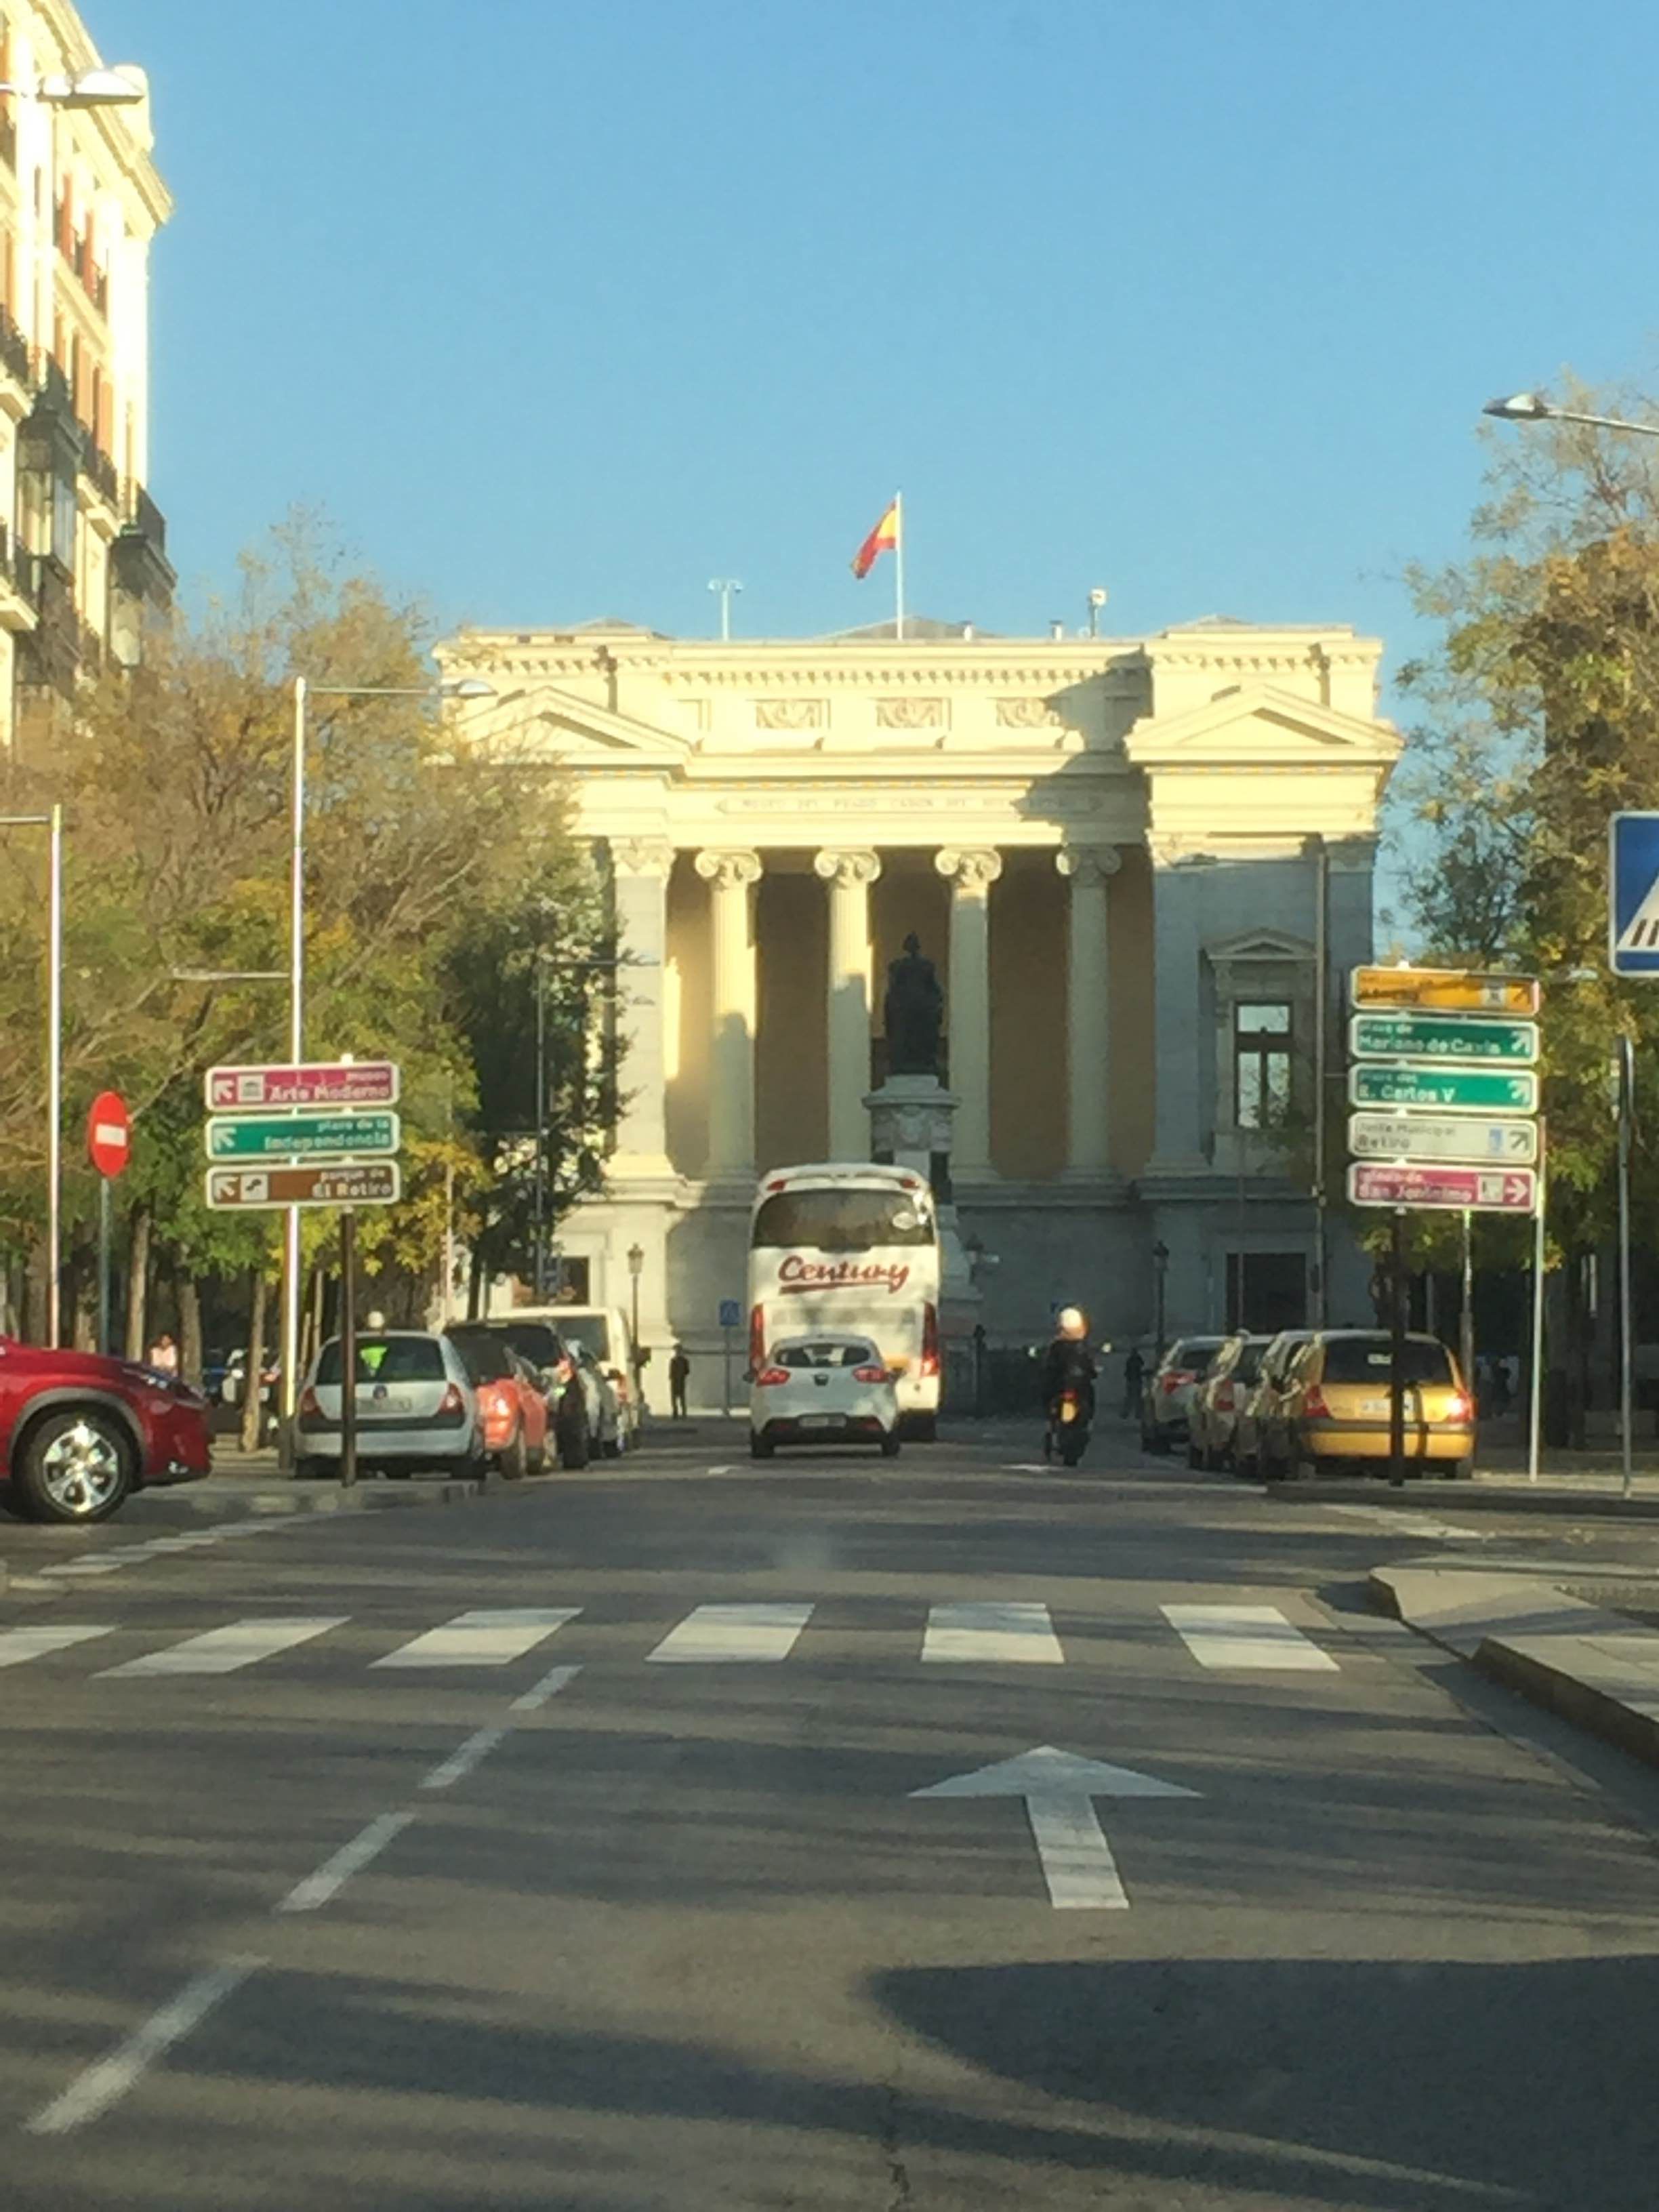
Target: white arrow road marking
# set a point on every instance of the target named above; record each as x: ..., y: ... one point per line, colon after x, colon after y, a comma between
x: 1236, y: 1637
x: 724, y: 1632
x: 1058, y: 1788
x: 992, y: 1635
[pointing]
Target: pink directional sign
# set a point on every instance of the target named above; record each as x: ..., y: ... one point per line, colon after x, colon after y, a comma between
x: 1477, y: 1190
x: 336, y: 1083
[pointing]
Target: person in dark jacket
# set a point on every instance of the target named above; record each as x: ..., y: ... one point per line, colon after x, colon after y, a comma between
x: 1134, y: 1374
x: 1068, y: 1363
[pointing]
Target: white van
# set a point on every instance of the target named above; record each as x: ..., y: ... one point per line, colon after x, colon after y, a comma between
x: 604, y: 1332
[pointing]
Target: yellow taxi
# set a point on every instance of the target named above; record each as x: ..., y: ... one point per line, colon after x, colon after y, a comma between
x: 1334, y: 1406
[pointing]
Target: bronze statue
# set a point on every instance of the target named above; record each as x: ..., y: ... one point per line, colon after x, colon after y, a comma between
x: 914, y: 1013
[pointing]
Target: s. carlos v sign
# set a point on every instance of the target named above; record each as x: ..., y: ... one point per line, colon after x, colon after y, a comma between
x: 797, y: 1273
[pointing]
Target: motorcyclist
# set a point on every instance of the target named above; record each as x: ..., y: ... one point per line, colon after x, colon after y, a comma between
x: 1068, y: 1363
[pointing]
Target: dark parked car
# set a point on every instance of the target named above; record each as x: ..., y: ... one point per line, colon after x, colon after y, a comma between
x: 79, y: 1432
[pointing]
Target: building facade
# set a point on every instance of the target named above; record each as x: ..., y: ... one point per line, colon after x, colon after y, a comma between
x: 82, y: 545
x: 1116, y: 853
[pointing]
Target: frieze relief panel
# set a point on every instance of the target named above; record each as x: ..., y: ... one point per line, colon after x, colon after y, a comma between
x: 1029, y: 714
x: 911, y: 715
x: 793, y: 714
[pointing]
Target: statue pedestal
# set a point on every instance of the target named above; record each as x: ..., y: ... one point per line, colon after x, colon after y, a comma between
x: 911, y: 1119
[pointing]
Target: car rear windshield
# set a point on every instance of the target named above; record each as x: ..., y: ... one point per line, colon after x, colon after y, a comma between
x: 488, y: 1358
x: 531, y: 1340
x: 1194, y: 1352
x: 593, y: 1333
x: 1365, y: 1359
x: 387, y: 1359
x: 1247, y: 1366
x: 840, y: 1220
x: 829, y: 1352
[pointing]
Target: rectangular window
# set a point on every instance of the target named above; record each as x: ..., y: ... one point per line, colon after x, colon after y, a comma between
x: 1261, y: 1064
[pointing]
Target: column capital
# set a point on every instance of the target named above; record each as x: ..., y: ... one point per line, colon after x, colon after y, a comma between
x: 728, y: 867
x: 846, y: 865
x: 973, y: 868
x: 1089, y: 864
x: 642, y: 856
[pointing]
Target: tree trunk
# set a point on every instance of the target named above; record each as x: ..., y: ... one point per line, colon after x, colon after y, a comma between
x: 138, y: 1229
x: 252, y: 1406
x: 190, y: 1330
x: 475, y: 1275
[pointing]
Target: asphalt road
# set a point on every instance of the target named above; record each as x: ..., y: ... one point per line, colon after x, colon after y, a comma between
x: 533, y: 1917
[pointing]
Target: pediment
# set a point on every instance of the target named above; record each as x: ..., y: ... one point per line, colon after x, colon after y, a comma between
x: 1261, y: 725
x: 1258, y: 945
x: 559, y: 726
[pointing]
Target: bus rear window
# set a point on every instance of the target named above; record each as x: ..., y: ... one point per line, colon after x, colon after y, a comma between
x: 844, y: 1220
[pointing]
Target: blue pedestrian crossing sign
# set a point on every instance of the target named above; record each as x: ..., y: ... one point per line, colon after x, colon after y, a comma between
x: 1633, y: 895
x: 730, y: 1313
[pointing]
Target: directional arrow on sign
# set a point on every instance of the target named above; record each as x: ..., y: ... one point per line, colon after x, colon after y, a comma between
x: 1059, y: 1789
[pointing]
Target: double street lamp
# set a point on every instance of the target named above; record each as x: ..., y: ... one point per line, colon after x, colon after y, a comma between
x: 472, y: 687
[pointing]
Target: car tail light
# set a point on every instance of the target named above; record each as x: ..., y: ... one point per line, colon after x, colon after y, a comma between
x: 1175, y: 1377
x: 1223, y: 1397
x: 770, y: 1375
x: 758, y: 1337
x: 870, y: 1375
x: 1314, y: 1404
x: 452, y: 1401
x: 1457, y: 1408
x: 930, y: 1340
x: 495, y: 1398
x: 310, y: 1403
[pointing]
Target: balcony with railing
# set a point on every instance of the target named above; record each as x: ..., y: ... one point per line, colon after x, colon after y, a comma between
x: 15, y: 352
x: 139, y: 554
x: 49, y: 655
x: 17, y: 585
x: 97, y: 466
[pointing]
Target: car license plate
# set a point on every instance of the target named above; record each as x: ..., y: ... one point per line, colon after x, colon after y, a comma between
x: 822, y: 1420
x: 389, y: 1401
x: 1373, y: 1409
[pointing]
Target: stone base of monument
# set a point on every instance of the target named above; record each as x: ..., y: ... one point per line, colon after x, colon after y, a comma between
x: 911, y: 1119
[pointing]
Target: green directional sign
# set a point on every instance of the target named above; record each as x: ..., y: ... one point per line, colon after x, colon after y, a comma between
x: 1465, y: 1037
x: 301, y: 1136
x: 1422, y: 1087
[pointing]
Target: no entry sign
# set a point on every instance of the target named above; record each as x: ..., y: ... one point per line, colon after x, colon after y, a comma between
x: 109, y: 1134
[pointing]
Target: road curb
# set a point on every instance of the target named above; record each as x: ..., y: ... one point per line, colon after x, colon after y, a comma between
x: 1561, y: 1652
x: 1468, y: 1497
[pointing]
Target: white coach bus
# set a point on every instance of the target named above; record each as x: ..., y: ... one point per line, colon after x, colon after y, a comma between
x: 853, y: 1247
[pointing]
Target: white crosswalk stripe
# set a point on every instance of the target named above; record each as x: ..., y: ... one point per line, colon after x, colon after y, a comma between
x: 1012, y: 1632
x: 19, y: 1645
x: 1236, y: 1637
x: 715, y: 1634
x: 225, y: 1651
x: 482, y: 1639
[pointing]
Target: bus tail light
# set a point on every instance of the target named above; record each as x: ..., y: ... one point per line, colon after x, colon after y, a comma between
x: 758, y: 1337
x: 769, y: 1376
x: 930, y: 1339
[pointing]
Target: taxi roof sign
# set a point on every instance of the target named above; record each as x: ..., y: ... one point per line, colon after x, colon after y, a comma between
x: 1445, y: 990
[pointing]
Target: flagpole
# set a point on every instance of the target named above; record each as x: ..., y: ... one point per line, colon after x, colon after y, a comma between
x: 898, y: 566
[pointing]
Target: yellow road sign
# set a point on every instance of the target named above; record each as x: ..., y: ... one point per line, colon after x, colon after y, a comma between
x: 1446, y: 990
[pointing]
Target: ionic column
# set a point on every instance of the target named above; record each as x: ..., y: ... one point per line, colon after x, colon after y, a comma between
x: 732, y: 876
x: 640, y: 871
x: 849, y: 876
x: 1089, y: 870
x: 968, y: 1003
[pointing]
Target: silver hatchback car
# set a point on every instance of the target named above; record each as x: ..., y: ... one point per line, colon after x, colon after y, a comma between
x: 414, y: 1403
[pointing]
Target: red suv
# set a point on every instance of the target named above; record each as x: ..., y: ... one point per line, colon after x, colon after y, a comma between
x: 79, y: 1432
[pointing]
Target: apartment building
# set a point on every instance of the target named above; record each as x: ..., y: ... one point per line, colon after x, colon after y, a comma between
x: 82, y: 545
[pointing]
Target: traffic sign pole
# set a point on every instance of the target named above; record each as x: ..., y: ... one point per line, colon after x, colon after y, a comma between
x: 1397, y: 1350
x: 347, y: 1349
x: 1536, y: 1411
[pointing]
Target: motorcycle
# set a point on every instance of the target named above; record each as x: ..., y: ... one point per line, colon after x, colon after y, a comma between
x: 1067, y: 1432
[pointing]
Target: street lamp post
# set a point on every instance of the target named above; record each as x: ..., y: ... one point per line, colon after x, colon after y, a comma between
x: 635, y: 1269
x: 724, y: 586
x: 53, y: 823
x: 1160, y: 1270
x: 467, y: 687
x: 1533, y: 407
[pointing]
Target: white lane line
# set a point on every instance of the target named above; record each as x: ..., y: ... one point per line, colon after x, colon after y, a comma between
x: 88, y: 1567
x: 1227, y: 1636
x: 716, y: 1633
x: 482, y: 1639
x: 351, y: 1858
x: 19, y: 1645
x: 537, y: 1694
x: 992, y: 1635
x: 466, y: 1756
x: 222, y: 1650
x: 102, y: 2086
x: 720, y: 1470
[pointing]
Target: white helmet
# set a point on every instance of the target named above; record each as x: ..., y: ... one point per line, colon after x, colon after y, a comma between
x: 1072, y: 1321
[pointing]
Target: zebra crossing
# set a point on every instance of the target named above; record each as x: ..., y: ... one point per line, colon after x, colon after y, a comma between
x: 1215, y: 1638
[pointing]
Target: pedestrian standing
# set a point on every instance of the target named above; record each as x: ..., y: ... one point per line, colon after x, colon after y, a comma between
x: 679, y: 1372
x: 164, y: 1354
x: 1135, y: 1371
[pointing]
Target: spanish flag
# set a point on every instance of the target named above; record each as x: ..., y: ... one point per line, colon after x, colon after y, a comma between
x: 884, y: 539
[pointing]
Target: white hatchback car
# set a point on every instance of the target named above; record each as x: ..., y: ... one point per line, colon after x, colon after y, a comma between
x: 822, y: 1390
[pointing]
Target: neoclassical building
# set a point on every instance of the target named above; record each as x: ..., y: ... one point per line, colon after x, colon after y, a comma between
x: 1115, y: 851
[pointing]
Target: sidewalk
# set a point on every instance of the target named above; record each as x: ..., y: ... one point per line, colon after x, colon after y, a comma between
x: 1564, y: 1653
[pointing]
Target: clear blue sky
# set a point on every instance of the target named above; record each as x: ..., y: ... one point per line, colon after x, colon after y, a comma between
x: 562, y: 309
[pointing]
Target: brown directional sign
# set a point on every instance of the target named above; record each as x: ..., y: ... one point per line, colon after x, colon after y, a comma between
x: 376, y: 1183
